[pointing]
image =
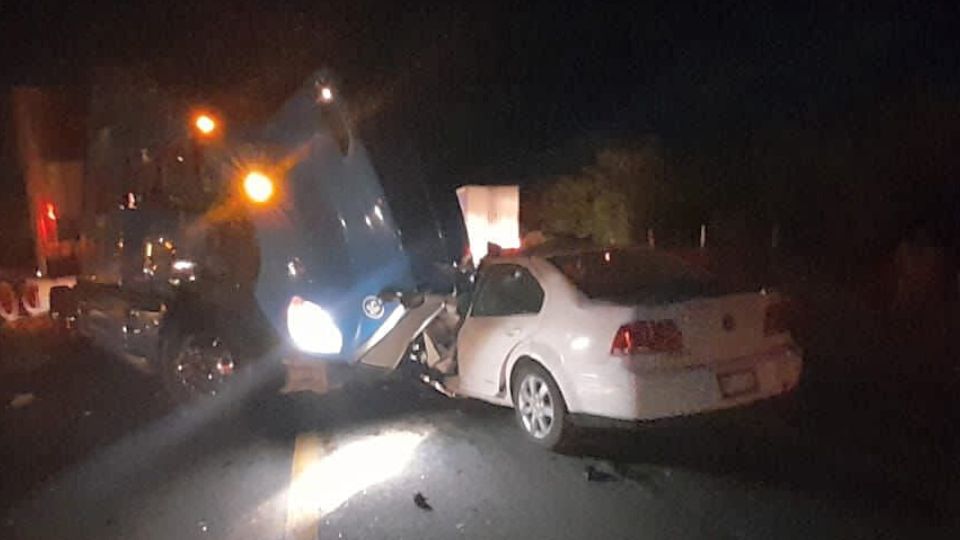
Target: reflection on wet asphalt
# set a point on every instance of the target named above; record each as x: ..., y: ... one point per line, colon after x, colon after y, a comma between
x: 351, y: 465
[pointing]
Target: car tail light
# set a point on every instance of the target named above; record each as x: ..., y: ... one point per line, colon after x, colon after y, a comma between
x: 645, y: 337
x: 777, y: 319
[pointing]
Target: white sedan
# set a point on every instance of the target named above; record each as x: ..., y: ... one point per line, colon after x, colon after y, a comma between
x: 630, y: 334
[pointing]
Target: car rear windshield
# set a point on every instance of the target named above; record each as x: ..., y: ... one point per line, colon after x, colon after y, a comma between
x: 636, y: 276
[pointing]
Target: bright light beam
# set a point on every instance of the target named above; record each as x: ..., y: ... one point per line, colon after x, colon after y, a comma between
x: 205, y: 124
x: 321, y: 482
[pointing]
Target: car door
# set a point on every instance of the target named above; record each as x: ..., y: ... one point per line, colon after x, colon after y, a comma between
x: 505, y: 311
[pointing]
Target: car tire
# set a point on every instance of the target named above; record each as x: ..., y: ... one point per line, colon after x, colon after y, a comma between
x: 539, y: 407
x: 177, y: 349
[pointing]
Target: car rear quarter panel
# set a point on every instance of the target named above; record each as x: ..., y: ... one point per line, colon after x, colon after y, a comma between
x: 582, y: 334
x: 572, y: 340
x: 542, y: 354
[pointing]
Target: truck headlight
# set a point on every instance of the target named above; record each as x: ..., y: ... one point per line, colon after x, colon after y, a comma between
x: 312, y: 329
x: 183, y: 265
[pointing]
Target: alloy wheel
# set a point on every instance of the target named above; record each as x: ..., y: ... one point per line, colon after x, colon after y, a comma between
x: 536, y: 405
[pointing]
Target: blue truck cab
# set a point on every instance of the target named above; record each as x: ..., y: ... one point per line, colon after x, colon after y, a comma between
x: 335, y: 260
x: 324, y: 244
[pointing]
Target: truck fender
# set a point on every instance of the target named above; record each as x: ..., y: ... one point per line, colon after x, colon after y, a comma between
x: 240, y: 324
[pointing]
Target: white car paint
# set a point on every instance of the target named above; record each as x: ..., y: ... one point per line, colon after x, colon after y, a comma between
x: 571, y: 337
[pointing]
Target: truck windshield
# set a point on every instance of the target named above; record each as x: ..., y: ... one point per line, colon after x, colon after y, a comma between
x: 181, y: 178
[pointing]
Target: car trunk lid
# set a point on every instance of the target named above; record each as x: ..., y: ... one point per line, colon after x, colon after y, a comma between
x: 723, y: 327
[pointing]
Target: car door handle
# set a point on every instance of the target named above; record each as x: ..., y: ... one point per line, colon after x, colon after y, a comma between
x: 513, y: 332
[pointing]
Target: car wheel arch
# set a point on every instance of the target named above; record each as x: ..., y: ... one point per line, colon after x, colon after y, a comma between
x: 543, y: 358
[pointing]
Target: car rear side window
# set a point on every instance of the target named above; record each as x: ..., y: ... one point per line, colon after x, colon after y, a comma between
x: 635, y: 276
x: 507, y: 289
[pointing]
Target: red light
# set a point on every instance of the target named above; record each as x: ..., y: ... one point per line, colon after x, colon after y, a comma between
x: 646, y: 337
x: 47, y: 226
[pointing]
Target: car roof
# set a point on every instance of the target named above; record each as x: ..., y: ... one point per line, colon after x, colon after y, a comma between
x: 548, y: 252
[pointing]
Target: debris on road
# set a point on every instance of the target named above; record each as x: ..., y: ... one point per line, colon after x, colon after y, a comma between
x: 595, y: 475
x: 421, y: 501
x: 22, y: 400
x: 641, y: 476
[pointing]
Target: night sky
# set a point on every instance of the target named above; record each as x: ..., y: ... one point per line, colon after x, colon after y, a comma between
x: 729, y: 89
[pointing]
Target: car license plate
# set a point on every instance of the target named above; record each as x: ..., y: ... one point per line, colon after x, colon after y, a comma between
x: 737, y: 383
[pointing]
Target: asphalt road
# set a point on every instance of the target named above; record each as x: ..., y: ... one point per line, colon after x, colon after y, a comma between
x: 98, y: 454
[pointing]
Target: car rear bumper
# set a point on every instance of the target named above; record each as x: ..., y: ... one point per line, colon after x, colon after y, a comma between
x: 644, y: 395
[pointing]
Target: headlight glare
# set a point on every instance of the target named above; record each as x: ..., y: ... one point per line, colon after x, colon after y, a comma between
x: 312, y: 329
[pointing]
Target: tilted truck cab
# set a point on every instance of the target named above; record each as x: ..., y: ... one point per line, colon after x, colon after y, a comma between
x: 329, y: 243
x: 320, y: 249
